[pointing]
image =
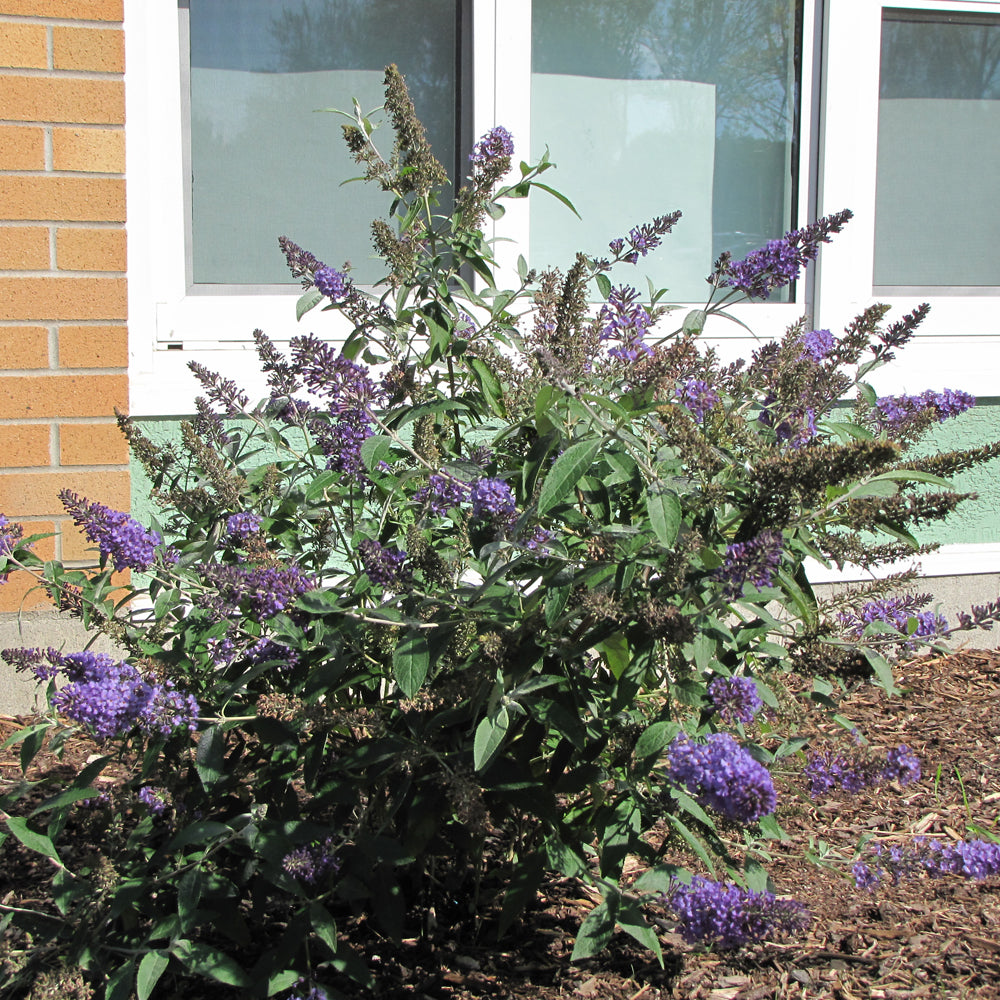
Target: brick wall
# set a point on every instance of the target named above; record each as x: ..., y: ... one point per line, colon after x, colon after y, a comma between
x: 63, y: 342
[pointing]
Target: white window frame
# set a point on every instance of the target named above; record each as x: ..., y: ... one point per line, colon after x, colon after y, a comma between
x: 170, y: 324
x: 838, y: 140
x: 961, y: 330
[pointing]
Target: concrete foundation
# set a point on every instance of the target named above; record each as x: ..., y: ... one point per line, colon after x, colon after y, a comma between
x: 19, y: 694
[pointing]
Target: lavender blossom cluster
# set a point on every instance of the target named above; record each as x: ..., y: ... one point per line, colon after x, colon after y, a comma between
x: 108, y: 696
x: 118, y: 536
x: 779, y: 262
x: 258, y: 591
x: 242, y: 525
x: 442, y: 493
x: 10, y: 536
x: 385, y: 566
x: 853, y: 772
x: 699, y: 398
x: 728, y: 916
x: 736, y: 699
x: 492, y: 147
x: 643, y: 239
x: 817, y: 344
x: 894, y: 412
x: 721, y: 775
x: 975, y: 859
x: 313, y: 863
x: 895, y: 611
x: 756, y: 560
x: 624, y: 319
x: 492, y: 498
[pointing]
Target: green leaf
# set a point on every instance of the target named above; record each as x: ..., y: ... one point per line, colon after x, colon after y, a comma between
x: 209, y: 757
x: 771, y: 829
x: 152, y: 966
x: 873, y: 488
x: 282, y: 981
x: 654, y: 738
x: 411, y: 661
x: 522, y: 885
x: 603, y: 285
x: 659, y: 879
x: 31, y: 839
x: 664, y: 509
x: 633, y: 923
x: 616, y: 652
x: 189, y: 896
x: 693, y: 842
x: 33, y: 740
x: 324, y: 926
x: 560, y: 197
x: 867, y: 393
x: 316, y: 490
x: 567, y: 470
x: 883, y: 671
x: 688, y: 804
x: 595, y: 932
x: 119, y: 986
x: 306, y: 301
x: 374, y: 450
x: 488, y: 384
x: 490, y: 734
x: 205, y: 960
x: 694, y: 322
x: 916, y: 475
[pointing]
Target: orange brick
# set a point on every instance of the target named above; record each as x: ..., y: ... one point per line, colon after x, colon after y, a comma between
x: 62, y: 298
x: 99, y: 49
x: 61, y: 99
x: 94, y: 150
x: 77, y: 10
x: 22, y: 593
x: 62, y: 199
x: 90, y: 249
x: 22, y: 147
x: 62, y: 396
x: 24, y: 45
x: 24, y: 445
x: 33, y: 494
x: 24, y: 347
x: 24, y: 248
x: 92, y: 444
x: 93, y: 347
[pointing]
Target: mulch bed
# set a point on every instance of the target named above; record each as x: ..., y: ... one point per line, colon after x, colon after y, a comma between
x: 921, y: 938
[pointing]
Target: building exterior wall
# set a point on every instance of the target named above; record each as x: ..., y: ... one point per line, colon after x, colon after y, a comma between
x: 63, y: 337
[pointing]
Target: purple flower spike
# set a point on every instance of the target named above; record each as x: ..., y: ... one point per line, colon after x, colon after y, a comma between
x: 241, y: 526
x: 817, y: 344
x: 756, y: 560
x: 492, y: 498
x: 313, y: 863
x: 722, y: 776
x: 779, y: 262
x: 735, y: 699
x: 119, y: 537
x: 383, y: 565
x: 699, y: 397
x: 493, y: 147
x: 625, y: 319
x: 333, y: 284
x: 442, y: 493
x: 727, y: 916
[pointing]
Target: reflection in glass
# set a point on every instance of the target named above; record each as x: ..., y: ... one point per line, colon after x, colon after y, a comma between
x: 653, y: 105
x: 263, y: 163
x: 937, y: 205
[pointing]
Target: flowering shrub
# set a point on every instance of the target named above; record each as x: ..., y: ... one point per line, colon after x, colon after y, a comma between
x: 499, y: 565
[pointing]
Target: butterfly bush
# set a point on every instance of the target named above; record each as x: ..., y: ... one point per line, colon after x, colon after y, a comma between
x: 496, y: 576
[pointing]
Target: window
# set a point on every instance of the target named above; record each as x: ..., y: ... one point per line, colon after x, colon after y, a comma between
x: 750, y: 117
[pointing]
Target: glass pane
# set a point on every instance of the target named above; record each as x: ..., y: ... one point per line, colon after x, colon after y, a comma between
x: 937, y: 205
x: 263, y: 163
x: 649, y: 106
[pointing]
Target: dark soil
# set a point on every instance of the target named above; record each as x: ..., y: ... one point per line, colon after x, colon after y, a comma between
x: 921, y: 938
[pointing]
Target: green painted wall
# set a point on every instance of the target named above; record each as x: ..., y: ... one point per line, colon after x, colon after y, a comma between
x: 976, y: 521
